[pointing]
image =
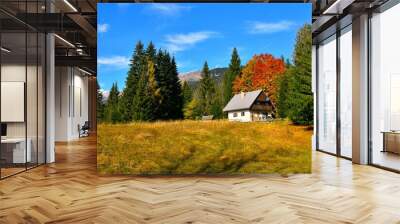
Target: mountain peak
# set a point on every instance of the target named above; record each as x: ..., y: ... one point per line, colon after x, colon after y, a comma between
x: 190, y: 76
x: 194, y: 76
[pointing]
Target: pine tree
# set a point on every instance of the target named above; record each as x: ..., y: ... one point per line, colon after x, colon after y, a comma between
x: 112, y: 112
x: 218, y: 101
x: 187, y: 93
x: 152, y: 90
x: 301, y: 97
x: 162, y: 61
x: 206, y: 91
x: 288, y: 63
x: 137, y: 67
x: 283, y: 94
x: 175, y: 97
x: 192, y: 110
x: 100, y: 104
x: 284, y: 90
x: 171, y: 102
x: 151, y: 52
x: 230, y: 75
x: 142, y: 102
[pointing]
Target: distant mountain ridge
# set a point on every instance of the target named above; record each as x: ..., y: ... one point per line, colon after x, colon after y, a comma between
x: 193, y: 77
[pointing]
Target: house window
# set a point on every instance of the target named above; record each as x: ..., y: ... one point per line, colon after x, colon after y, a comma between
x: 242, y: 113
x: 235, y: 114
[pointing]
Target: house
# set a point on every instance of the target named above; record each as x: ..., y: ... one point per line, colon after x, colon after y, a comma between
x: 249, y: 106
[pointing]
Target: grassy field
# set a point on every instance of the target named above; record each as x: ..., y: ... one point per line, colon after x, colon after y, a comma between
x: 203, y: 147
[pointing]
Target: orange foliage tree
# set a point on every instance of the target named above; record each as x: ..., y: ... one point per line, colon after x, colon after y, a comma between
x: 261, y: 72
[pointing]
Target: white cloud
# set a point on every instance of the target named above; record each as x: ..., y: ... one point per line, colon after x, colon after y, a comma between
x: 180, y: 42
x: 169, y: 8
x: 102, y: 28
x: 257, y: 27
x: 115, y: 61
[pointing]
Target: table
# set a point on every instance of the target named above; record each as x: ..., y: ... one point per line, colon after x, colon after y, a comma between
x: 391, y: 141
x: 13, y: 150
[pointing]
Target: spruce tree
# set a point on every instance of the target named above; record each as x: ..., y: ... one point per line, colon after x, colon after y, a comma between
x: 283, y: 94
x: 301, y: 97
x: 151, y: 52
x: 153, y: 91
x: 230, y: 75
x: 175, y: 98
x: 171, y: 102
x: 99, y: 104
x: 218, y: 101
x: 206, y: 91
x: 112, y: 107
x: 187, y: 93
x: 192, y: 109
x: 284, y: 90
x: 137, y: 67
x: 142, y: 102
x: 162, y: 64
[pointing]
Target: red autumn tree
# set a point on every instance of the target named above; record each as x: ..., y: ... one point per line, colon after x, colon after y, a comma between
x: 261, y: 72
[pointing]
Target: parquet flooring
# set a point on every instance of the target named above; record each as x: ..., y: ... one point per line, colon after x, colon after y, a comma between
x: 70, y: 191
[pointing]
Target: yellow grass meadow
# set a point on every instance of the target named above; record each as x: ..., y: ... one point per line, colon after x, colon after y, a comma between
x: 203, y: 147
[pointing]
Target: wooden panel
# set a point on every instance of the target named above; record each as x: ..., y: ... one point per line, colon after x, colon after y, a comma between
x: 261, y: 104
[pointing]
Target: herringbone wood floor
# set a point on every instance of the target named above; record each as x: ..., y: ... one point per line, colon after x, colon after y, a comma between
x: 70, y: 191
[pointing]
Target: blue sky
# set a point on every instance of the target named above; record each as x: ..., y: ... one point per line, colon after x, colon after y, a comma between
x: 194, y: 33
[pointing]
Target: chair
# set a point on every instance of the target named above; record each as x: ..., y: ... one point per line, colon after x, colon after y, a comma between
x: 84, y: 130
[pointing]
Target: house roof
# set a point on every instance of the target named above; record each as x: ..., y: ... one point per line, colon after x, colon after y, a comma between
x: 242, y: 101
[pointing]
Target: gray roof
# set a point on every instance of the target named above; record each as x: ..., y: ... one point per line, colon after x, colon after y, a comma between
x: 242, y: 102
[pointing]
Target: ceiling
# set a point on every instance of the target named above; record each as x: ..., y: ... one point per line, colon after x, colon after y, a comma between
x: 73, y: 21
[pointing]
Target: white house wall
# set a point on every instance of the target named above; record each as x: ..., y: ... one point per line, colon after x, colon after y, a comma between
x: 245, y: 118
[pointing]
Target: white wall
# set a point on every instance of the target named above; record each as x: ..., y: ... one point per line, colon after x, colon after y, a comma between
x: 71, y: 102
x: 245, y: 118
x: 62, y: 82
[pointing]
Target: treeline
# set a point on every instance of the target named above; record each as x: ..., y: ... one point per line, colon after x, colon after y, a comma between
x: 287, y: 85
x: 294, y: 95
x: 152, y: 89
x: 208, y: 97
